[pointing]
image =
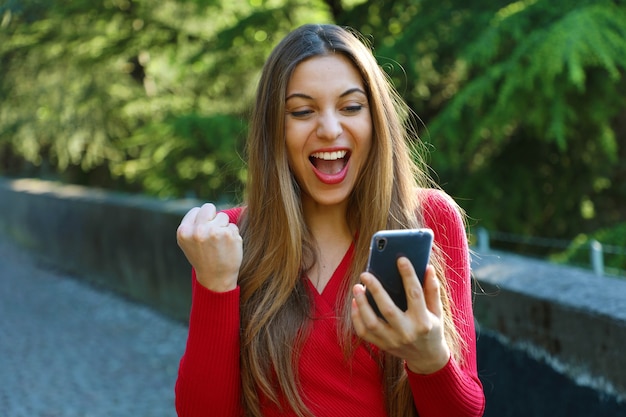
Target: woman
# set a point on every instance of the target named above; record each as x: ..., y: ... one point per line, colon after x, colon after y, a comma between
x: 280, y: 324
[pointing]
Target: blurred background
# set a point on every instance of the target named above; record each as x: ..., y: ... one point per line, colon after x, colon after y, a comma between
x: 522, y: 105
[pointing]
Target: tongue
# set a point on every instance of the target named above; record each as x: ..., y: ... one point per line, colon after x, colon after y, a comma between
x: 329, y: 167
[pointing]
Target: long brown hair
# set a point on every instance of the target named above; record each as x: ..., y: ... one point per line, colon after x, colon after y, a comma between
x: 278, y: 247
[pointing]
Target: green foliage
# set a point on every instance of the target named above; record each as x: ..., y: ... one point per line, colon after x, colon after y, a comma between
x: 540, y: 92
x: 120, y: 84
x: 419, y: 43
x: 613, y: 241
x: 188, y: 153
x: 523, y: 103
x: 511, y: 68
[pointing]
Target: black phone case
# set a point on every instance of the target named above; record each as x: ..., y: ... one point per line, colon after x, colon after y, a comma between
x: 385, y: 249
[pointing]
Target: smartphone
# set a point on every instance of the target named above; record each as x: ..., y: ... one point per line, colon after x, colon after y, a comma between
x: 385, y: 249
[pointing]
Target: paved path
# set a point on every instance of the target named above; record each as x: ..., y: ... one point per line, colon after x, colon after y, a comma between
x: 69, y: 350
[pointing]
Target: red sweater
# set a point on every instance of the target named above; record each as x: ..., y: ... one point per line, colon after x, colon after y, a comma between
x: 209, y: 382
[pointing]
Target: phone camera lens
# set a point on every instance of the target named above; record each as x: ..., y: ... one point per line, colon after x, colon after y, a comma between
x: 381, y: 243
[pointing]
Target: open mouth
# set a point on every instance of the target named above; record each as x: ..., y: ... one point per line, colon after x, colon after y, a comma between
x: 330, y: 163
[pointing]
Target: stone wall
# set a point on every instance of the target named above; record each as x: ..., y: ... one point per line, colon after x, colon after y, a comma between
x: 121, y: 242
x: 551, y: 338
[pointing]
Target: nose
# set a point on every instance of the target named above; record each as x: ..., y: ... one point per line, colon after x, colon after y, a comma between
x: 329, y: 126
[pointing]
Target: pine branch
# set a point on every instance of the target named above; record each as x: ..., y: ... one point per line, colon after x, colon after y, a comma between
x: 517, y: 79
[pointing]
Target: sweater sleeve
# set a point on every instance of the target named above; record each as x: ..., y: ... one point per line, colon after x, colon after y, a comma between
x: 454, y: 390
x: 209, y: 382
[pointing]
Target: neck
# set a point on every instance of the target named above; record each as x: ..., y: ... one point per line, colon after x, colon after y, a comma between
x: 332, y: 235
x: 327, y: 223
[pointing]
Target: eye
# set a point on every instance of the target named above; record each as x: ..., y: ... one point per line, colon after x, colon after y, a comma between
x: 355, y: 108
x: 300, y: 114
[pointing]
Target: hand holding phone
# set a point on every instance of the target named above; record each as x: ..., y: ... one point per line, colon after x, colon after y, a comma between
x: 385, y: 249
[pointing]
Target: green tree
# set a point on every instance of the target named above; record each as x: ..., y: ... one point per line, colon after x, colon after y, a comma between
x: 523, y: 104
x: 101, y: 93
x: 545, y: 101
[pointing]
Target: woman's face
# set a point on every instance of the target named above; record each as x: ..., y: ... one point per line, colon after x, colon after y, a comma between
x: 328, y: 128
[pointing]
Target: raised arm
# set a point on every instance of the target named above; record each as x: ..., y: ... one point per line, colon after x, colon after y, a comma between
x: 209, y: 380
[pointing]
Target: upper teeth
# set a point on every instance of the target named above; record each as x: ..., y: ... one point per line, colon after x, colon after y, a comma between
x: 330, y: 156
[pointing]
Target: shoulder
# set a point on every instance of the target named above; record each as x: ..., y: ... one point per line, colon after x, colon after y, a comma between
x: 439, y: 208
x: 446, y: 219
x: 234, y: 214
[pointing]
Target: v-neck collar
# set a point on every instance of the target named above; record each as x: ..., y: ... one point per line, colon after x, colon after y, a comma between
x: 330, y: 292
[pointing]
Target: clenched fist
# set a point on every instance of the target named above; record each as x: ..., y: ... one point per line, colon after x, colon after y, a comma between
x: 213, y: 246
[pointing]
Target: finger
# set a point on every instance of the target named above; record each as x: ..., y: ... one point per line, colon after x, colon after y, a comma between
x: 412, y: 288
x: 191, y: 215
x: 185, y: 229
x: 221, y: 219
x: 213, y: 230
x: 383, y: 301
x: 233, y: 228
x: 206, y: 213
x: 355, y: 312
x: 367, y: 324
x: 432, y: 292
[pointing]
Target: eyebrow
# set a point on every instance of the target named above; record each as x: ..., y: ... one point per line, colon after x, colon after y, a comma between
x: 345, y: 93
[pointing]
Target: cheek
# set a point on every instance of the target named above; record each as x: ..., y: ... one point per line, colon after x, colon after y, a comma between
x: 295, y: 141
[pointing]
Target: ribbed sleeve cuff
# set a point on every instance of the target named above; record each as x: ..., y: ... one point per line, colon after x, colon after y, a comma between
x: 447, y: 392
